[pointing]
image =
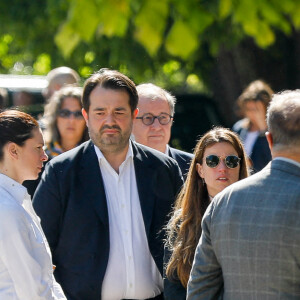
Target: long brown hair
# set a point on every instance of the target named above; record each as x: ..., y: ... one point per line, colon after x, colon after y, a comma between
x: 184, y: 228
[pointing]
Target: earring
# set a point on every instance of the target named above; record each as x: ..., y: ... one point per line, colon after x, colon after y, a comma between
x: 203, y: 181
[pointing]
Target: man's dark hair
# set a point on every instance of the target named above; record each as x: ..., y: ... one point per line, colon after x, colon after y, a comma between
x: 109, y: 79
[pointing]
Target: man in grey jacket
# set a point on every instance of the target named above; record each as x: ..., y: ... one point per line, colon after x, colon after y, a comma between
x: 250, y: 244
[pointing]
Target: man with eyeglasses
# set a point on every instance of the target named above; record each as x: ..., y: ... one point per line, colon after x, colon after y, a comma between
x: 250, y: 242
x: 153, y: 124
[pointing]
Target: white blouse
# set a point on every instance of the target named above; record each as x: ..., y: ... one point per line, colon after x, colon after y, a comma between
x: 26, y: 270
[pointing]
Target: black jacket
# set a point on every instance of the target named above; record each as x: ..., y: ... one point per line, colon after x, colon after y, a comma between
x: 71, y: 203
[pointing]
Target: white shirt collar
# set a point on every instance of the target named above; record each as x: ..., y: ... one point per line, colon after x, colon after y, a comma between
x: 167, y: 149
x: 101, y: 156
x: 288, y: 160
x: 17, y: 190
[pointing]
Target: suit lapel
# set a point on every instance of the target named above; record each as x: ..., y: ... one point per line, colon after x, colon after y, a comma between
x: 171, y: 154
x: 144, y: 174
x: 92, y: 182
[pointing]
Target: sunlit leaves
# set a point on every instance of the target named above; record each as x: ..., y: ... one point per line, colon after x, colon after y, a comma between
x: 189, y: 21
x: 86, y: 18
x: 182, y: 41
x: 81, y: 24
x: 83, y: 18
x: 42, y: 64
x: 259, y: 18
x: 113, y: 17
x: 148, y: 39
x: 225, y: 8
x: 89, y: 57
x: 150, y: 23
x: 5, y: 40
x: 295, y: 15
x: 67, y: 39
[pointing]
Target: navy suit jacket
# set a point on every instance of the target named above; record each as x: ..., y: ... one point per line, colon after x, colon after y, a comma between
x: 71, y: 203
x: 183, y: 159
x: 261, y: 154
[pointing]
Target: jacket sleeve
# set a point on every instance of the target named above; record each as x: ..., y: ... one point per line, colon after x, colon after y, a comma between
x: 206, y: 280
x: 173, y: 290
x: 48, y: 205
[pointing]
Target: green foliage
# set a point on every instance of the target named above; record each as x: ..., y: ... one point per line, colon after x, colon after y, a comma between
x: 150, y: 23
x: 145, y: 38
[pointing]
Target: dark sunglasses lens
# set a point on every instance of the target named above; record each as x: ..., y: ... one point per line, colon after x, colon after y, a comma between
x: 232, y: 161
x: 212, y: 161
x: 64, y: 113
x: 78, y: 114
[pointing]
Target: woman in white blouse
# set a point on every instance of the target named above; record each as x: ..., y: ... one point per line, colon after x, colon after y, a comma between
x: 26, y: 270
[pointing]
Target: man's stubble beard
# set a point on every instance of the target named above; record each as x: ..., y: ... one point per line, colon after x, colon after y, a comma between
x: 113, y: 144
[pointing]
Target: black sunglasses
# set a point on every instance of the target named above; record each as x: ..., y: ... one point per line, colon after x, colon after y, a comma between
x: 65, y: 113
x: 148, y: 119
x: 231, y: 161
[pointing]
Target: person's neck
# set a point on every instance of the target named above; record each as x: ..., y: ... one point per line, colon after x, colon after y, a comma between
x: 10, y: 172
x: 116, y: 158
x: 68, y: 144
x: 289, y: 155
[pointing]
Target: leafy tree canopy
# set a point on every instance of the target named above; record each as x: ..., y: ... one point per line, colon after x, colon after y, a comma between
x: 171, y: 42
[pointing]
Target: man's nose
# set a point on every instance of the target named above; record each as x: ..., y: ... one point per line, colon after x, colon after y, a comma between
x: 110, y: 119
x: 156, y: 123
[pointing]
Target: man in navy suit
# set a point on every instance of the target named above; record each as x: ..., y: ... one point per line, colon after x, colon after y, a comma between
x: 103, y: 205
x: 152, y: 127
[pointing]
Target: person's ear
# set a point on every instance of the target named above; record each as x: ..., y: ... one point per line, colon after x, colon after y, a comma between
x: 199, y: 170
x: 13, y: 150
x: 135, y: 113
x: 269, y: 139
x: 85, y: 115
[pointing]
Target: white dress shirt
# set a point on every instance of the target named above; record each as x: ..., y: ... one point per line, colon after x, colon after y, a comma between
x: 131, y: 271
x: 26, y: 270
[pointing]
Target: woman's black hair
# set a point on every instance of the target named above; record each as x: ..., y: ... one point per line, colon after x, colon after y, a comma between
x: 16, y: 127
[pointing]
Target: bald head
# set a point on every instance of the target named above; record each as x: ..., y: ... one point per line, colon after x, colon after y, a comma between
x: 59, y: 77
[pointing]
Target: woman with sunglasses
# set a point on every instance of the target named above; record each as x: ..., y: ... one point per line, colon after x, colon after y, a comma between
x: 26, y: 270
x: 219, y: 161
x: 65, y: 125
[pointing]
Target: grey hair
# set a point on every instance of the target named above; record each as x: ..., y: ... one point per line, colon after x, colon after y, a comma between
x: 283, y: 119
x: 53, y: 107
x: 152, y: 91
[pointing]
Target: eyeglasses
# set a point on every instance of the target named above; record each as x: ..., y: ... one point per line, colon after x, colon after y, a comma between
x: 148, y: 119
x: 66, y: 114
x: 231, y: 161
